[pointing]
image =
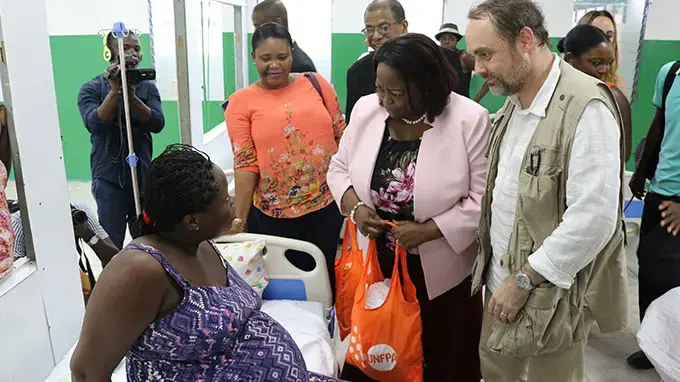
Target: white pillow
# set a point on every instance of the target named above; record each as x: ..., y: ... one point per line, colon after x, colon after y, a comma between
x: 247, y: 259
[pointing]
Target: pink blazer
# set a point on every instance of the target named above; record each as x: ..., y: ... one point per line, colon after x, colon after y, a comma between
x: 449, y: 182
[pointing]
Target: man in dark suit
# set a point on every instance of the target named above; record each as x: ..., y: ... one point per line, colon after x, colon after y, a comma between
x: 383, y: 20
x: 274, y: 11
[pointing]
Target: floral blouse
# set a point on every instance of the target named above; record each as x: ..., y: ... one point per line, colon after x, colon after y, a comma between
x: 392, y: 186
x: 6, y: 235
x: 288, y: 137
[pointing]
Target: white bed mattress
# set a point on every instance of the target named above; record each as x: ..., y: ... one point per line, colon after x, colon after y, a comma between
x: 306, y: 323
x: 304, y: 320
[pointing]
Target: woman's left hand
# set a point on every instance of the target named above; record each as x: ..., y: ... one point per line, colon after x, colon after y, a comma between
x: 670, y: 216
x: 411, y: 234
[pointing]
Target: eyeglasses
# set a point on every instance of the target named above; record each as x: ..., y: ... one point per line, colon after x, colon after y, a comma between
x: 382, y: 29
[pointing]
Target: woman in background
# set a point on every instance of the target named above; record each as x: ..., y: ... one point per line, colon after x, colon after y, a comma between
x: 588, y: 49
x: 170, y: 305
x: 6, y: 234
x: 605, y: 21
x: 414, y: 153
x: 284, y: 131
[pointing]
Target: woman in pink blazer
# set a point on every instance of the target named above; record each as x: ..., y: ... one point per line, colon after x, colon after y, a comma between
x: 414, y: 153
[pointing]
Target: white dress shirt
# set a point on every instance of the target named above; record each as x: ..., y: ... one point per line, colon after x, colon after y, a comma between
x: 593, y: 186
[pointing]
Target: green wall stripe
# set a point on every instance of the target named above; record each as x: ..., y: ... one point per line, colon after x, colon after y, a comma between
x: 70, y: 74
x: 655, y: 54
x: 346, y: 48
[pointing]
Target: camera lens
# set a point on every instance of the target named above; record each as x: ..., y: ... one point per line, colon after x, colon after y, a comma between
x: 78, y: 216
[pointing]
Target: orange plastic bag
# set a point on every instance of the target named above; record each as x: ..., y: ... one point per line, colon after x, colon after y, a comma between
x: 385, y: 342
x: 348, y: 273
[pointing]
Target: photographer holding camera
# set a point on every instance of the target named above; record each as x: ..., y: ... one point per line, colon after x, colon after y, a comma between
x: 85, y: 228
x: 101, y: 106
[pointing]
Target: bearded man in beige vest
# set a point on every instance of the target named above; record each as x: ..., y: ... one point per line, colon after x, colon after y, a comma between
x: 551, y: 234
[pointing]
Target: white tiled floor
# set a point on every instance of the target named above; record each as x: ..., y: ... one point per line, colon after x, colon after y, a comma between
x: 605, y: 355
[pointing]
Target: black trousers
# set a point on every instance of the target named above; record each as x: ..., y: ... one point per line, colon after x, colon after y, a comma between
x: 658, y: 254
x: 321, y: 228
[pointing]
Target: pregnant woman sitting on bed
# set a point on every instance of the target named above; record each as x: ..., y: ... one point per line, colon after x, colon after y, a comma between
x: 414, y: 153
x: 168, y: 302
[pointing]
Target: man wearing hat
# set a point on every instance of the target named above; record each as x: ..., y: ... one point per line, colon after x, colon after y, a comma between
x: 448, y: 37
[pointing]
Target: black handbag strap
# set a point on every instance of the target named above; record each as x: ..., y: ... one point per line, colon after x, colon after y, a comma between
x: 315, y: 82
x: 667, y: 85
x: 84, y: 264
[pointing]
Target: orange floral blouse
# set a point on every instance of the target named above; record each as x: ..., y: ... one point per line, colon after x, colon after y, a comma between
x: 288, y: 137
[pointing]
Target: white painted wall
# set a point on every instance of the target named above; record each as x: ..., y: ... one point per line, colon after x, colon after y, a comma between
x: 423, y: 16
x: 87, y: 17
x: 42, y: 311
x: 558, y: 14
x: 313, y: 34
x: 662, y: 21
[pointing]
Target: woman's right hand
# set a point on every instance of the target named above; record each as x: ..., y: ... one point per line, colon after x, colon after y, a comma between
x: 368, y: 222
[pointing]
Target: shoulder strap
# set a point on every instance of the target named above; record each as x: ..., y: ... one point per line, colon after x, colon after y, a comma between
x: 84, y: 264
x: 169, y: 268
x: 315, y: 82
x: 668, y: 84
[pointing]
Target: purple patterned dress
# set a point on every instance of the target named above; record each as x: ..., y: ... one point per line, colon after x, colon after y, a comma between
x: 215, y: 334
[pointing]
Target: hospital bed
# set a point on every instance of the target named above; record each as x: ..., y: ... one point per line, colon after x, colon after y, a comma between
x: 298, y: 300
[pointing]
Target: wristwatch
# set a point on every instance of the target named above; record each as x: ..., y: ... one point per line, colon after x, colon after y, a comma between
x: 93, y: 241
x: 524, y: 281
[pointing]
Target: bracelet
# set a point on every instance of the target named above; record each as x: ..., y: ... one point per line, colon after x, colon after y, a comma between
x: 354, y: 210
x: 239, y: 222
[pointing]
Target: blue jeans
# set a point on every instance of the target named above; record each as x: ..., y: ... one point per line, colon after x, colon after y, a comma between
x: 116, y: 209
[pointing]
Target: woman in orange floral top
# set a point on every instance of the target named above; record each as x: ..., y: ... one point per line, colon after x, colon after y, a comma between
x: 284, y: 129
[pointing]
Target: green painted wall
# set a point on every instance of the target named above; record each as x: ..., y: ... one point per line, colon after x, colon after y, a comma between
x: 77, y: 59
x: 655, y: 54
x: 346, y: 48
x: 70, y: 73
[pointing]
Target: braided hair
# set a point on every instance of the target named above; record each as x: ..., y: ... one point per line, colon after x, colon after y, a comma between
x: 179, y: 182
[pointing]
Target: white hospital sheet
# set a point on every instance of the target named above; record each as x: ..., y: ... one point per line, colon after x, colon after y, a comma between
x: 306, y: 323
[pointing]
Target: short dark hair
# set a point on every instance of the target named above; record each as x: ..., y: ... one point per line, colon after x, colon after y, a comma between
x: 395, y: 7
x: 179, y: 182
x: 509, y: 17
x: 271, y: 30
x: 273, y: 8
x: 420, y: 61
x: 581, y: 39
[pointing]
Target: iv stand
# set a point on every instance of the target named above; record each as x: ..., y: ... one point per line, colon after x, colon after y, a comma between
x: 120, y: 32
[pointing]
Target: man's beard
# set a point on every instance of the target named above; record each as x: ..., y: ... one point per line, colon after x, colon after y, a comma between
x: 515, y: 79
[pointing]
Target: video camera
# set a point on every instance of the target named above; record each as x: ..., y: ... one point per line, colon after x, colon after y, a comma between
x: 134, y: 76
x: 78, y: 216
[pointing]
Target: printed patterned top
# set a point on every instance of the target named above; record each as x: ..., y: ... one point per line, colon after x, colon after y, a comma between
x: 392, y: 185
x: 6, y: 237
x: 216, y: 334
x: 288, y: 137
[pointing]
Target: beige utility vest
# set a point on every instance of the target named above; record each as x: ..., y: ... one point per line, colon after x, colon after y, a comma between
x: 553, y: 318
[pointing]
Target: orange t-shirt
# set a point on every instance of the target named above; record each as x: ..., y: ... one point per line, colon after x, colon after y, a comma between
x: 288, y: 137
